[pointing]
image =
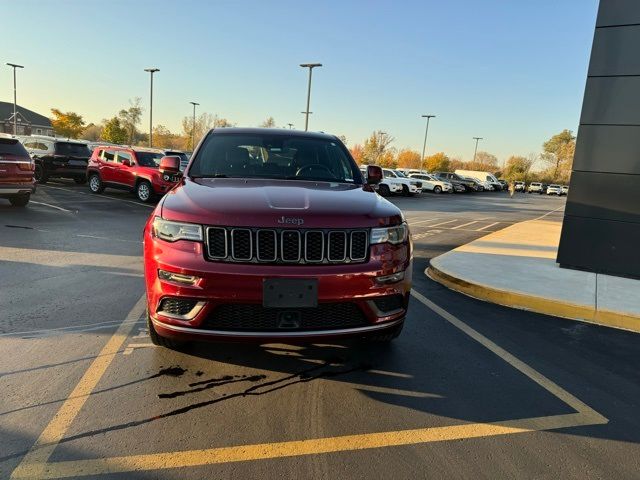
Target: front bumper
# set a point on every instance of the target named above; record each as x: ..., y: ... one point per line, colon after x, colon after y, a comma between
x: 233, y: 285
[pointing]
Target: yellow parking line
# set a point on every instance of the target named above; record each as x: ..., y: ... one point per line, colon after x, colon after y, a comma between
x: 263, y: 451
x: 32, y: 465
x: 35, y: 463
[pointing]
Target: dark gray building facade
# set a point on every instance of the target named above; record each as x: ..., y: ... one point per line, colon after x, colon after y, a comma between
x: 28, y: 121
x: 601, y: 229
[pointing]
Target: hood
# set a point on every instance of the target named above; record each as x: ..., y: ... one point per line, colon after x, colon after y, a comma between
x: 277, y: 204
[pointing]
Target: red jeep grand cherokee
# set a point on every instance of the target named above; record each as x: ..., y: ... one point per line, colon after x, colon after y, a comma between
x: 129, y: 168
x: 273, y: 235
x: 17, y: 181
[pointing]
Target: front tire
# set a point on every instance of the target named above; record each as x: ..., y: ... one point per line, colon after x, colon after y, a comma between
x: 144, y: 192
x: 437, y: 189
x: 20, y: 200
x: 95, y: 184
x: 405, y: 191
x: 384, y: 190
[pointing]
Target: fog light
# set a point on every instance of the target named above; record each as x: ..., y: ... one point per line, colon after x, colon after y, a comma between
x: 178, y: 277
x: 393, y: 278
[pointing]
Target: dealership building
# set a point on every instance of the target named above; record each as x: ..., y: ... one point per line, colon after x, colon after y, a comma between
x: 28, y: 121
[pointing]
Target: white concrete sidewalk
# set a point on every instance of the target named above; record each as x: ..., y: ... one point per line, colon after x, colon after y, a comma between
x: 517, y: 267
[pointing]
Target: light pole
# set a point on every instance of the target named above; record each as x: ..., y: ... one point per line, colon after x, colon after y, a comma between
x: 151, y: 71
x: 193, y: 126
x: 426, y: 132
x: 15, y: 98
x: 310, y: 66
x: 477, y: 139
x: 380, y: 137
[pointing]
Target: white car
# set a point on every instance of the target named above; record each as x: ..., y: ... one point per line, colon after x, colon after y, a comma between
x: 433, y: 184
x: 519, y: 186
x: 535, y: 187
x: 565, y: 189
x: 409, y: 186
x: 386, y: 186
x: 554, y: 190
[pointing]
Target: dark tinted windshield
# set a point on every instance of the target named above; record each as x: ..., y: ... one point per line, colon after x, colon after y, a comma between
x: 12, y: 146
x: 149, y: 159
x: 74, y: 149
x: 274, y: 156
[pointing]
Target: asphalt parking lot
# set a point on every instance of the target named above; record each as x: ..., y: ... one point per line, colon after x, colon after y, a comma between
x: 469, y: 390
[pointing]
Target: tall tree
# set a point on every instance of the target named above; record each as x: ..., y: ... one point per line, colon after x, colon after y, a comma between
x: 268, y: 123
x: 376, y: 146
x: 163, y: 138
x: 408, y: 158
x: 92, y: 132
x: 114, y: 132
x: 204, y: 123
x: 518, y: 168
x: 357, y: 152
x: 438, y: 162
x: 558, y: 153
x: 67, y: 124
x: 484, y: 161
x: 130, y: 118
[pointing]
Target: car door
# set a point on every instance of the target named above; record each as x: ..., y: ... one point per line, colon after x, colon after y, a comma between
x: 125, y: 170
x: 108, y: 166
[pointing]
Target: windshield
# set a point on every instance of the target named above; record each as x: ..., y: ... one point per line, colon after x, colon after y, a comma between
x: 149, y: 159
x: 274, y: 156
x: 400, y: 174
x: 73, y: 149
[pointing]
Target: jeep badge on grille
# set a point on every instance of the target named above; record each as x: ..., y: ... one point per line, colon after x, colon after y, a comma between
x: 291, y: 221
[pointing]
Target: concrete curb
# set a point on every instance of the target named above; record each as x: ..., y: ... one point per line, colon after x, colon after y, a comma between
x: 536, y: 304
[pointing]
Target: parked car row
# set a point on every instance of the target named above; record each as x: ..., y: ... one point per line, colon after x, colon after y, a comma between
x: 543, y: 188
x: 27, y: 160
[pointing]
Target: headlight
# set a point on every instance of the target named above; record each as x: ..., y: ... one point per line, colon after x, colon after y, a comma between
x: 392, y: 235
x: 174, y: 231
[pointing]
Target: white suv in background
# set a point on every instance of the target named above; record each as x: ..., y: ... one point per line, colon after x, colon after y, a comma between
x: 554, y: 190
x: 387, y: 186
x: 432, y: 184
x: 408, y: 185
x: 535, y: 187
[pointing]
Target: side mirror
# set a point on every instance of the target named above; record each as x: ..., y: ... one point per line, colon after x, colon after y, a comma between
x: 374, y: 174
x: 126, y: 162
x: 170, y: 165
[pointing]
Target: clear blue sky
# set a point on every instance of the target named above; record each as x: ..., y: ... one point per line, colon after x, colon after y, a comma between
x: 511, y: 71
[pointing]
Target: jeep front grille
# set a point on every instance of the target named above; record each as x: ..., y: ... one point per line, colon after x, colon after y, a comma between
x: 287, y: 246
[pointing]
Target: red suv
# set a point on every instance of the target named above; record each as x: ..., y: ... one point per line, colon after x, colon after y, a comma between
x: 17, y: 181
x: 273, y: 235
x: 130, y: 168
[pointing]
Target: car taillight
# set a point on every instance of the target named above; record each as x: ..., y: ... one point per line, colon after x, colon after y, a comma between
x: 26, y: 166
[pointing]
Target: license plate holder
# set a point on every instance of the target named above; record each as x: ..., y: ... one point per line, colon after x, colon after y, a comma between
x: 290, y: 293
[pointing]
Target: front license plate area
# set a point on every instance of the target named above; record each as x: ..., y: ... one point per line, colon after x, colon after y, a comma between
x: 290, y: 293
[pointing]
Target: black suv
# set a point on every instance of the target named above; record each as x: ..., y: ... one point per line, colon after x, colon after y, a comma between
x: 455, y: 179
x: 55, y: 157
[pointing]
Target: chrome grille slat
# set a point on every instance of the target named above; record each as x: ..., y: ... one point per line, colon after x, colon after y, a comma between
x: 239, y: 248
x: 337, y: 243
x: 266, y: 242
x: 289, y: 246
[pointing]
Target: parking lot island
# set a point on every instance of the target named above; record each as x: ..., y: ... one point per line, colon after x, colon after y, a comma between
x: 516, y: 267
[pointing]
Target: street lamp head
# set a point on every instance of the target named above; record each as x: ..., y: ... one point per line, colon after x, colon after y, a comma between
x: 310, y: 65
x: 15, y: 65
x: 194, y: 103
x: 152, y: 70
x: 428, y: 116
